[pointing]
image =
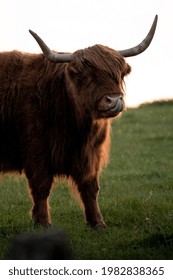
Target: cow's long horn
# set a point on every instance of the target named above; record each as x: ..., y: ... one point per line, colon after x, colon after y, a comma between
x: 143, y: 45
x: 50, y: 55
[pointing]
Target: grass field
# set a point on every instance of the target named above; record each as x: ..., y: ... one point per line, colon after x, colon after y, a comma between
x: 136, y: 196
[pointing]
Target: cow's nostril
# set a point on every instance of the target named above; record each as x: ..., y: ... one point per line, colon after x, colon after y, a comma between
x: 109, y: 99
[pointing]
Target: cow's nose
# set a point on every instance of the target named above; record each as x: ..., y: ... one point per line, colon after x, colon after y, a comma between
x: 111, y: 102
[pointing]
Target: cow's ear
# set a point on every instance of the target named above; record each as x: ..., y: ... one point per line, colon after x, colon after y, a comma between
x: 128, y: 70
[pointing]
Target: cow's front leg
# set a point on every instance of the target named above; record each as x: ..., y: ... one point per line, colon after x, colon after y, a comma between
x: 89, y: 194
x: 40, y: 186
x: 40, y: 212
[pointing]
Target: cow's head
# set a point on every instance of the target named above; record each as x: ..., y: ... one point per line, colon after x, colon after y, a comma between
x: 95, y: 75
x: 96, y: 80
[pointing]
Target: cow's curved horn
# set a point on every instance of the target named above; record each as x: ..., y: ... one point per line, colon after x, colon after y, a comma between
x: 50, y: 55
x: 143, y: 45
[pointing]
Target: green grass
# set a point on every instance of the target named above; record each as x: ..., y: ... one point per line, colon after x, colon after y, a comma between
x: 136, y: 196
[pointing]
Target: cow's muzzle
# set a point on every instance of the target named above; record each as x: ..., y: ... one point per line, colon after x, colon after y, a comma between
x: 110, y: 106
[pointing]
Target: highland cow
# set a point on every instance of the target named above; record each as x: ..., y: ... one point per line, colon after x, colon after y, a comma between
x: 55, y: 116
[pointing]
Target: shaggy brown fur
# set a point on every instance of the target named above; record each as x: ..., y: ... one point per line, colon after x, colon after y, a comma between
x: 51, y: 123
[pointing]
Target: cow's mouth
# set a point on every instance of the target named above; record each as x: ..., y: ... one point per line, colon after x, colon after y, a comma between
x: 110, y: 107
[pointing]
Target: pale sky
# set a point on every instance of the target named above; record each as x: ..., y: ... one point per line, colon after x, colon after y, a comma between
x: 68, y: 25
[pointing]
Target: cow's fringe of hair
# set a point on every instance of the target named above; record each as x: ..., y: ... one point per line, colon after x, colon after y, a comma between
x: 112, y: 65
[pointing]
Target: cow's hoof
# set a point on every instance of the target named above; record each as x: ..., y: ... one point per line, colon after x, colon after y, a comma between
x: 100, y: 225
x: 49, y: 225
x: 42, y: 223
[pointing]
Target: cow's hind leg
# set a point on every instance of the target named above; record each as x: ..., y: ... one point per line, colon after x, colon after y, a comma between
x: 89, y: 194
x: 40, y: 189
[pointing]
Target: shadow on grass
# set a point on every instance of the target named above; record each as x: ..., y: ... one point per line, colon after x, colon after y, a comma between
x: 156, y: 240
x: 155, y: 246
